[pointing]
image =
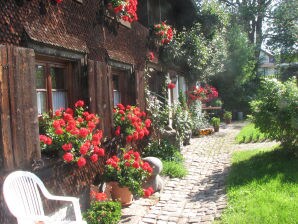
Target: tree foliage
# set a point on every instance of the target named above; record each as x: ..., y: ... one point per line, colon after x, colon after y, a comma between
x: 201, y: 49
x: 251, y: 14
x: 283, y: 30
x: 237, y: 83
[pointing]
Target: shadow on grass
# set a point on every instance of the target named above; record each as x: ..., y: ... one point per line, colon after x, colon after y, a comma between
x: 263, y: 167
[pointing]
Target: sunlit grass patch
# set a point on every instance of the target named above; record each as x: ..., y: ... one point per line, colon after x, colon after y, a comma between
x: 250, y: 133
x: 262, y: 187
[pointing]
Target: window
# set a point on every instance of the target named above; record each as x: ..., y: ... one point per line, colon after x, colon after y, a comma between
x: 51, y: 88
x: 116, y: 90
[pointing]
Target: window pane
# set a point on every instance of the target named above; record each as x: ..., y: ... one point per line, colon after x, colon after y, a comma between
x: 41, y: 102
x: 117, y: 97
x: 59, y: 100
x: 58, y: 77
x: 40, y: 77
x: 115, y: 82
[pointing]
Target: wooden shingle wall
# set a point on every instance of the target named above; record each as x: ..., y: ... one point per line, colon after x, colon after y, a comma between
x: 19, y: 142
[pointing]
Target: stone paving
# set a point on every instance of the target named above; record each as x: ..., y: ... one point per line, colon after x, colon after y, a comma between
x: 200, y: 196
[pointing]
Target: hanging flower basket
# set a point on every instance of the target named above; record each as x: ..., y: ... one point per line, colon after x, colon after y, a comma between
x: 163, y: 33
x: 203, y: 94
x: 124, y: 9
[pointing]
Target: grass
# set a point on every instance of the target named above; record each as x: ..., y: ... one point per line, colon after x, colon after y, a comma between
x: 250, y: 133
x: 171, y: 157
x: 174, y: 169
x: 262, y: 187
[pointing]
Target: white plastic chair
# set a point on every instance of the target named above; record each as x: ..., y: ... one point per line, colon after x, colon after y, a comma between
x: 22, y: 196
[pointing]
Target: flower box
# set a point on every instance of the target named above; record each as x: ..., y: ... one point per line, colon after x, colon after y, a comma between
x: 206, y: 131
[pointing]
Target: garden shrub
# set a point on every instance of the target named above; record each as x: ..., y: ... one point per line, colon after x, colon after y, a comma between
x: 103, y: 212
x: 199, y: 119
x: 182, y: 122
x: 163, y: 150
x: 275, y: 112
x: 159, y: 114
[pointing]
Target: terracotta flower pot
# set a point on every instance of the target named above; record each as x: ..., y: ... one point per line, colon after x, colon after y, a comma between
x: 121, y: 194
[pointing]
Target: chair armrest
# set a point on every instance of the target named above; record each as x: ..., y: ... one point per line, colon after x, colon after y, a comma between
x: 74, y: 200
x: 34, y: 218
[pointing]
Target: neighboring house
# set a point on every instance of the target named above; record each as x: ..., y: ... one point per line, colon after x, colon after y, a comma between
x: 52, y: 54
x: 267, y: 63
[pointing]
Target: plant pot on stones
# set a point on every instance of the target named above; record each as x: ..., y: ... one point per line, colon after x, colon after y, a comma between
x: 128, y: 171
x: 121, y: 194
x: 227, y: 116
x: 215, y: 121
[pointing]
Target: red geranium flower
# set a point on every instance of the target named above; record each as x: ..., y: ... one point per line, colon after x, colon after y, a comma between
x: 68, y: 157
x: 59, y: 131
x: 79, y: 103
x: 67, y: 147
x: 117, y: 132
x: 99, y: 151
x: 94, y: 158
x: 150, y: 56
x: 171, y: 85
x: 101, y: 197
x: 84, y: 132
x: 81, y: 162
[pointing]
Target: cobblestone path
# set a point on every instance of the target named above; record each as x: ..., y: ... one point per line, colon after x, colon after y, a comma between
x: 200, y: 196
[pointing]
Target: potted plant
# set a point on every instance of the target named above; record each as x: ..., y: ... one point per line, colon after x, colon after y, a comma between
x: 215, y: 121
x: 131, y: 123
x: 163, y: 33
x: 227, y: 116
x: 125, y: 175
x: 102, y: 211
x: 72, y: 134
x: 124, y: 9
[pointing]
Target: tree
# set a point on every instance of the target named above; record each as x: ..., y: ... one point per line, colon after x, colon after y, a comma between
x: 251, y: 15
x: 283, y: 30
x: 237, y: 83
x: 200, y: 50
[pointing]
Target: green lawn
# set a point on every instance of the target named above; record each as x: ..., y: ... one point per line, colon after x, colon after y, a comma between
x: 262, y: 187
x: 249, y: 133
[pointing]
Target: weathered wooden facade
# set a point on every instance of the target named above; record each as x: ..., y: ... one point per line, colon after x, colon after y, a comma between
x: 51, y: 55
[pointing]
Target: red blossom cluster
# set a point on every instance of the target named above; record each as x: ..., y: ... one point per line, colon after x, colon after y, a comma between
x: 171, y: 85
x: 150, y: 56
x: 131, y: 122
x: 126, y: 9
x: 148, y: 192
x: 75, y: 133
x: 130, y: 159
x: 58, y: 1
x: 164, y: 32
x: 97, y: 196
x: 204, y: 94
x: 129, y: 170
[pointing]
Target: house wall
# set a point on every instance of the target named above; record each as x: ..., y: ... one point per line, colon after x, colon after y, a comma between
x: 74, y: 32
x: 266, y: 66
